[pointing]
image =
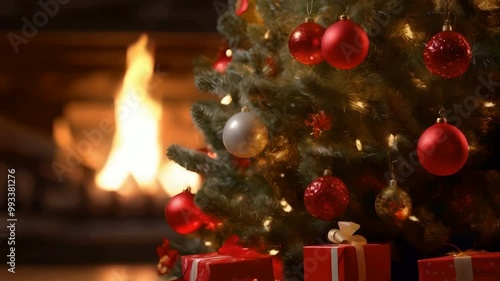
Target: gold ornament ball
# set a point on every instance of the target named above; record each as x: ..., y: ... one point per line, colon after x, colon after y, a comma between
x: 393, y: 203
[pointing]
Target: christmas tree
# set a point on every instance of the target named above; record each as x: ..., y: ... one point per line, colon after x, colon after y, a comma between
x: 328, y: 114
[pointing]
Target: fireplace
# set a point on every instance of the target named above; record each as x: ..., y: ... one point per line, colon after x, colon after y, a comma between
x: 91, y: 183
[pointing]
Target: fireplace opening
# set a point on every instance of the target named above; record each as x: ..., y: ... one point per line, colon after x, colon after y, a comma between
x: 86, y: 118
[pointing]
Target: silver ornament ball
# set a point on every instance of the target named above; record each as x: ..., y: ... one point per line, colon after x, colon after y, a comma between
x: 245, y: 135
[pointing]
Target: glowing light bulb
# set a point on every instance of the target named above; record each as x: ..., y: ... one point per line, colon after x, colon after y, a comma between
x: 273, y: 252
x: 361, y: 104
x: 408, y: 33
x: 391, y: 140
x: 286, y: 207
x: 359, y: 146
x: 226, y: 100
x: 267, y: 223
x: 413, y: 218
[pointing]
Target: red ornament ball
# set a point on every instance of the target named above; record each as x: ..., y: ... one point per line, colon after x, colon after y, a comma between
x: 326, y: 198
x: 305, y: 43
x: 345, y: 44
x: 241, y: 7
x: 442, y: 149
x: 182, y: 214
x: 447, y: 54
x: 224, y: 57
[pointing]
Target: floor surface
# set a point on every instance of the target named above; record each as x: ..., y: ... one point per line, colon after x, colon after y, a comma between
x: 82, y: 273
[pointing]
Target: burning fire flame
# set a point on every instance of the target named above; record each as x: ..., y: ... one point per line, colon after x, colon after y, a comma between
x: 136, y: 149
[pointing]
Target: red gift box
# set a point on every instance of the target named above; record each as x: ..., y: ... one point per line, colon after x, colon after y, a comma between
x: 370, y: 262
x: 217, y: 267
x: 468, y: 266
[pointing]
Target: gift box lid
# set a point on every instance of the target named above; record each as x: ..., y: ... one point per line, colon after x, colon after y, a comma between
x: 477, y: 256
x: 328, y: 246
x: 217, y: 267
x: 483, y: 266
x: 343, y: 262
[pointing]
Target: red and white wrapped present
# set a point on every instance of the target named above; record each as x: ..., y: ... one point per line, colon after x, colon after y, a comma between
x: 464, y: 266
x: 217, y: 267
x: 231, y: 263
x: 354, y: 260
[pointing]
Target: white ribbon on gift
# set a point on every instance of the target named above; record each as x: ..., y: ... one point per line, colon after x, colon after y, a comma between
x: 345, y: 235
x: 194, y: 266
x: 463, y: 268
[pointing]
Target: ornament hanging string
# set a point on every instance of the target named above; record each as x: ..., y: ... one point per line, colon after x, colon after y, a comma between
x: 442, y: 112
x: 309, y: 8
x: 447, y: 12
x: 447, y: 15
x: 344, y: 14
x: 391, y: 162
x: 277, y: 4
x: 392, y: 170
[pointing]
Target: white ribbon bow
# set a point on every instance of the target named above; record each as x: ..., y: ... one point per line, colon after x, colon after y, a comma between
x: 345, y: 235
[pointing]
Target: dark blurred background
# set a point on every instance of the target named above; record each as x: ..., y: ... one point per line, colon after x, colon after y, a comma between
x: 118, y: 15
x: 62, y: 64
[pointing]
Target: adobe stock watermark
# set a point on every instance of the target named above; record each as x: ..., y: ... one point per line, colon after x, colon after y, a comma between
x: 380, y: 20
x: 277, y: 122
x: 31, y: 26
x: 383, y: 18
x: 95, y: 137
x: 220, y: 6
x: 455, y: 116
x: 74, y: 156
x: 310, y: 263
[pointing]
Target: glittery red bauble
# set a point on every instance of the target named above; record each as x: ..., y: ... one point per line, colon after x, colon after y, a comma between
x: 223, y: 59
x: 305, y: 43
x: 182, y: 214
x: 447, y: 54
x: 345, y: 44
x: 442, y: 149
x: 326, y: 198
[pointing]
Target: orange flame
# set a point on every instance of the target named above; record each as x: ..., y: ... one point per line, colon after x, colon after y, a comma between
x: 136, y: 149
